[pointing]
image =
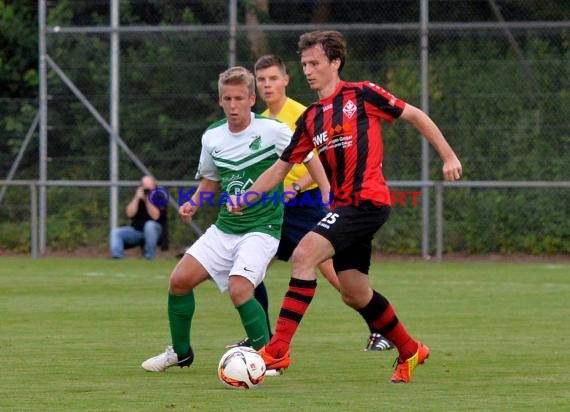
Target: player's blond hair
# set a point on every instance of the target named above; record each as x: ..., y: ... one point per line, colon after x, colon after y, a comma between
x: 237, y: 75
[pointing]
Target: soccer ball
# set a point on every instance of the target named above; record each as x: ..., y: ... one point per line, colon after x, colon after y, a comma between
x: 241, y: 368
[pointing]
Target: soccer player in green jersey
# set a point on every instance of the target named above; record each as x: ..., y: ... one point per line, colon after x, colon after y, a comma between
x: 234, y: 252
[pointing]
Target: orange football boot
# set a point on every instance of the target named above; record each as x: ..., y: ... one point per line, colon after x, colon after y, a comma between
x: 275, y: 363
x: 405, y: 369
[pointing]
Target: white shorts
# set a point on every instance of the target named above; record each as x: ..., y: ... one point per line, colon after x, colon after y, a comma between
x: 224, y: 255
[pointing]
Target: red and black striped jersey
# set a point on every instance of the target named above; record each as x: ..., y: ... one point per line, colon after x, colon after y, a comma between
x: 347, y: 132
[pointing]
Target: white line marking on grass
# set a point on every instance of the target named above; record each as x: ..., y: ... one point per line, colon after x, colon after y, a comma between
x: 555, y: 267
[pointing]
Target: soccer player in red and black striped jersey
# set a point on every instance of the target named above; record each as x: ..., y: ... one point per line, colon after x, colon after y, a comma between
x: 344, y: 125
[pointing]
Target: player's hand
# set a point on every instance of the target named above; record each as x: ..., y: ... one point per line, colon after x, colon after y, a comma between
x: 186, y: 211
x: 326, y: 199
x: 452, y: 169
x: 234, y: 207
x: 288, y: 193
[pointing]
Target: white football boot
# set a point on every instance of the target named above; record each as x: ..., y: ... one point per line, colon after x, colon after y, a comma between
x: 166, y: 359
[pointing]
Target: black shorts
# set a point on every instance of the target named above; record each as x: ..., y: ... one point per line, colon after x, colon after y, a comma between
x: 300, y: 216
x: 350, y: 230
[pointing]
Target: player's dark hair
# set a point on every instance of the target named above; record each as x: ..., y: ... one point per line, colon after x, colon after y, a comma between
x: 270, y: 60
x: 332, y: 42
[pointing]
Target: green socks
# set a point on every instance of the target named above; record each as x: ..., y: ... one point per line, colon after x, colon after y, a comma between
x: 180, y: 312
x: 253, y: 320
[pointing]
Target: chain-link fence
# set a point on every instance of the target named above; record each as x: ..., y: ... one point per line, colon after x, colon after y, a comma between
x: 497, y: 78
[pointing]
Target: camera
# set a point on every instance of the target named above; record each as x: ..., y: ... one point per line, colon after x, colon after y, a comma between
x: 146, y: 191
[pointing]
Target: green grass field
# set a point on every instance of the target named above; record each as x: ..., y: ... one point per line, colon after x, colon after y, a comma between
x: 73, y: 333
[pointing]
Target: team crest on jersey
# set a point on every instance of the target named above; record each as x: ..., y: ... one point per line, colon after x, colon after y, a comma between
x: 255, y: 143
x: 235, y: 184
x: 349, y: 109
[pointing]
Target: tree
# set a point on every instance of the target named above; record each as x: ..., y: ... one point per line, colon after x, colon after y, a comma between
x: 18, y: 75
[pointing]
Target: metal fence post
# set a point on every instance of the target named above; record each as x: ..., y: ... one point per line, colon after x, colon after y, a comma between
x: 232, y: 23
x: 34, y: 219
x: 43, y: 139
x: 114, y: 114
x: 439, y: 221
x: 424, y: 53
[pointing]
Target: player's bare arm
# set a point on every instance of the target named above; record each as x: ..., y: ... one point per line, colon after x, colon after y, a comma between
x: 304, y: 182
x: 317, y: 172
x: 189, y: 209
x: 265, y: 182
x: 452, y: 169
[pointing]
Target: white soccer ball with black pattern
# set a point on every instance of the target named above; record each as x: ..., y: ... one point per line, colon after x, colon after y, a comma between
x: 241, y: 368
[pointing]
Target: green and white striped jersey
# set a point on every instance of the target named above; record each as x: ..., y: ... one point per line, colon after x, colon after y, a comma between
x: 236, y: 160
